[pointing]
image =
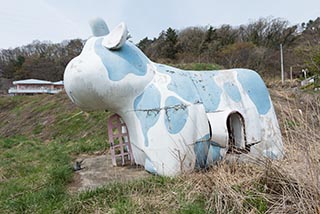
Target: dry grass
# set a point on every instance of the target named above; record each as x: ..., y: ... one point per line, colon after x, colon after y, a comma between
x: 291, y: 185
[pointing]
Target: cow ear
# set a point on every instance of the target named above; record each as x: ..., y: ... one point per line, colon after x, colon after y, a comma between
x: 116, y: 38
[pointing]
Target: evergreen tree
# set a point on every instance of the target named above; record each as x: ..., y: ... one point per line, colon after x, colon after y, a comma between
x: 144, y: 44
x: 171, y: 38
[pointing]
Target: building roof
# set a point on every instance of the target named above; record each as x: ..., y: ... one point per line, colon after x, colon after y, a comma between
x: 58, y: 83
x: 32, y: 81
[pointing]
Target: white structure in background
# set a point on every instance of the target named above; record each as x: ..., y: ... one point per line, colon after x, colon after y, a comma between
x: 308, y: 81
x: 35, y: 86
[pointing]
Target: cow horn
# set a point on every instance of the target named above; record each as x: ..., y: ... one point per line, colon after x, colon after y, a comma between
x: 99, y: 27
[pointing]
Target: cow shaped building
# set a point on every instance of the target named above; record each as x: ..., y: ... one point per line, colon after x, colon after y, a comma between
x: 177, y: 120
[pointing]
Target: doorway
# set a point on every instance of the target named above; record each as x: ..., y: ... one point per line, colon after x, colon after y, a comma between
x: 236, y: 132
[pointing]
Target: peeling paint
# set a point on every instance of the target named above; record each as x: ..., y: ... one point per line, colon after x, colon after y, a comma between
x: 148, y: 105
x: 176, y: 116
x: 233, y: 91
x: 256, y: 89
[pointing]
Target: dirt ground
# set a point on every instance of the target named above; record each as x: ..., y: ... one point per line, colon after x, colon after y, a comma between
x: 97, y: 170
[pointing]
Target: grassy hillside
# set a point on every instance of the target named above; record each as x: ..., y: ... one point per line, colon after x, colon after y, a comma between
x: 49, y: 118
x: 41, y: 135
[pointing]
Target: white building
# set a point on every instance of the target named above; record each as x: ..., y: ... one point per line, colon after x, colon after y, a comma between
x: 35, y: 86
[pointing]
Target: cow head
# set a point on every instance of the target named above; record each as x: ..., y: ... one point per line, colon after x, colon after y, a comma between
x: 109, y: 72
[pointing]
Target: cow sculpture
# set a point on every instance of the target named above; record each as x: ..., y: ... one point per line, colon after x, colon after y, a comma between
x: 177, y: 120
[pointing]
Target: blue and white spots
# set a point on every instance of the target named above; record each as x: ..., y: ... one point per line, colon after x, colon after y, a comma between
x: 214, y: 153
x: 256, y: 89
x: 147, y: 109
x: 194, y: 86
x: 207, y: 152
x: 181, y: 83
x: 232, y: 90
x: 176, y: 115
x: 208, y: 90
x: 167, y: 109
x: 201, y: 149
x: 128, y: 59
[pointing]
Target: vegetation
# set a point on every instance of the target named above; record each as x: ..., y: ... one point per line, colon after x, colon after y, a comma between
x: 41, y: 135
x: 50, y: 118
x: 34, y: 175
x: 38, y: 60
x: 254, y: 45
x: 198, y: 66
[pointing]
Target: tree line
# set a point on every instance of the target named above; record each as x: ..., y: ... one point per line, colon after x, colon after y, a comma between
x: 39, y: 60
x: 254, y: 45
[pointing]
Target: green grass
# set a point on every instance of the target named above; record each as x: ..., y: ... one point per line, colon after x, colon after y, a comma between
x: 48, y: 117
x: 198, y: 66
x: 33, y: 174
x: 41, y: 135
x: 120, y: 197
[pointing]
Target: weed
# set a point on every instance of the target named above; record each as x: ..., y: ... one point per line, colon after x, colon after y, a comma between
x: 34, y: 174
x: 199, y: 66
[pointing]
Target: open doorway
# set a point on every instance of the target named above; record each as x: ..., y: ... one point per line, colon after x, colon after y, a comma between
x: 236, y: 132
x: 120, y: 146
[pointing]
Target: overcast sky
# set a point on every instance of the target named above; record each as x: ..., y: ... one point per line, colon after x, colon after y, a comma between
x: 23, y: 21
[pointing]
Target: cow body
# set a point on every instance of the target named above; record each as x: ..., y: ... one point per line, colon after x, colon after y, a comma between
x: 177, y: 120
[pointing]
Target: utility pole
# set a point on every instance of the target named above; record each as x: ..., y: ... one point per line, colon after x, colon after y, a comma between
x: 282, y: 69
